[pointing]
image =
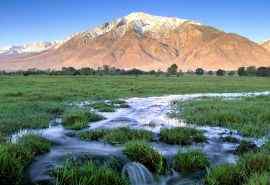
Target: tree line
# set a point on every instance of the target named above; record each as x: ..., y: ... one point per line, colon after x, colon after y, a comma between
x: 171, y: 71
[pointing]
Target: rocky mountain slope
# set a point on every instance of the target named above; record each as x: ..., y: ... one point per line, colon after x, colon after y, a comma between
x: 147, y: 42
x: 266, y: 45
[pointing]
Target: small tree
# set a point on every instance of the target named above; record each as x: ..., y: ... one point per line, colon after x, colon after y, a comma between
x: 210, y: 72
x: 242, y: 71
x: 180, y: 73
x: 158, y: 73
x: 199, y: 71
x: 172, y: 70
x: 251, y: 71
x: 263, y: 71
x: 220, y: 72
x: 69, y: 71
x: 231, y: 73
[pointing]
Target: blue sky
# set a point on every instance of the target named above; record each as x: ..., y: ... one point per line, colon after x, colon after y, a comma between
x: 24, y: 21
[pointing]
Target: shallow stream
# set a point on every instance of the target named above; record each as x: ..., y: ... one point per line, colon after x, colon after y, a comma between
x: 149, y: 113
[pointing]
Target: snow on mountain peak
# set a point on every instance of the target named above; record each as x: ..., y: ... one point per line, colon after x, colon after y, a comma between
x: 28, y: 48
x: 140, y: 22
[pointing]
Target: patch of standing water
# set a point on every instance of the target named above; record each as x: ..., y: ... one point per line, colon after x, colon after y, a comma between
x: 149, y: 113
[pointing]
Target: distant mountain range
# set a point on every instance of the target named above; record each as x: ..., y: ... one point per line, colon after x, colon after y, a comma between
x: 28, y: 48
x: 142, y: 41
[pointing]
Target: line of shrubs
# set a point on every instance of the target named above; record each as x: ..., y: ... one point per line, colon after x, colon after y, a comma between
x: 171, y: 71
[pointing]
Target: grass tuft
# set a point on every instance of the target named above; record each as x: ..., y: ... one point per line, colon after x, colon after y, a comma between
x: 79, y: 119
x: 87, y: 174
x: 118, y: 135
x: 259, y: 179
x: 181, y: 136
x: 146, y: 155
x: 190, y: 161
x: 104, y: 107
x: 245, y: 147
x: 15, y: 157
x: 248, y: 165
x: 225, y: 175
x: 230, y: 139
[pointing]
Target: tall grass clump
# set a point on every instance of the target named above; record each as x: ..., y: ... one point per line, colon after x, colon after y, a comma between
x: 35, y: 144
x: 88, y: 174
x: 118, y: 135
x: 78, y: 119
x: 247, y: 115
x: 146, y: 155
x: 226, y: 174
x: 15, y: 157
x: 104, y: 107
x: 181, y: 136
x: 245, y: 147
x: 266, y: 147
x: 259, y: 179
x: 2, y: 138
x: 247, y: 167
x: 190, y: 161
x: 255, y: 162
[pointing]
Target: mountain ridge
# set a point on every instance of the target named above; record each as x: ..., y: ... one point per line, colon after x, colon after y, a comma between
x: 148, y: 42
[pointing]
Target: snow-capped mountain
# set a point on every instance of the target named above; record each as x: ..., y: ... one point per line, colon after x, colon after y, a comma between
x: 28, y: 48
x: 147, y: 42
x: 140, y: 22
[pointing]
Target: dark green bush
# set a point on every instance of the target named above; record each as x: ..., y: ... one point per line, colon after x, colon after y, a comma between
x: 182, y: 136
x: 190, y: 161
x: 146, y: 155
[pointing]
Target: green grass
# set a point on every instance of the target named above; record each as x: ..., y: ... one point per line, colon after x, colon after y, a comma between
x: 181, y: 136
x: 245, y: 147
x: 117, y: 135
x: 226, y: 174
x: 104, y: 107
x: 79, y: 118
x: 259, y: 179
x: 14, y: 158
x: 190, y: 161
x: 249, y: 165
x: 31, y: 101
x: 230, y: 139
x: 249, y: 115
x: 88, y: 174
x: 266, y: 147
x: 146, y: 155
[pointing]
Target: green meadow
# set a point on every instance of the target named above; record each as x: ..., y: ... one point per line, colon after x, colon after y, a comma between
x: 32, y: 101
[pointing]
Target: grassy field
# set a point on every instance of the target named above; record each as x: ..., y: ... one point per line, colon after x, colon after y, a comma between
x: 249, y: 115
x: 31, y: 101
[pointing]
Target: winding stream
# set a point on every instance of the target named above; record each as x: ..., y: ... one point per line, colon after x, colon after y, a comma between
x: 149, y: 113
